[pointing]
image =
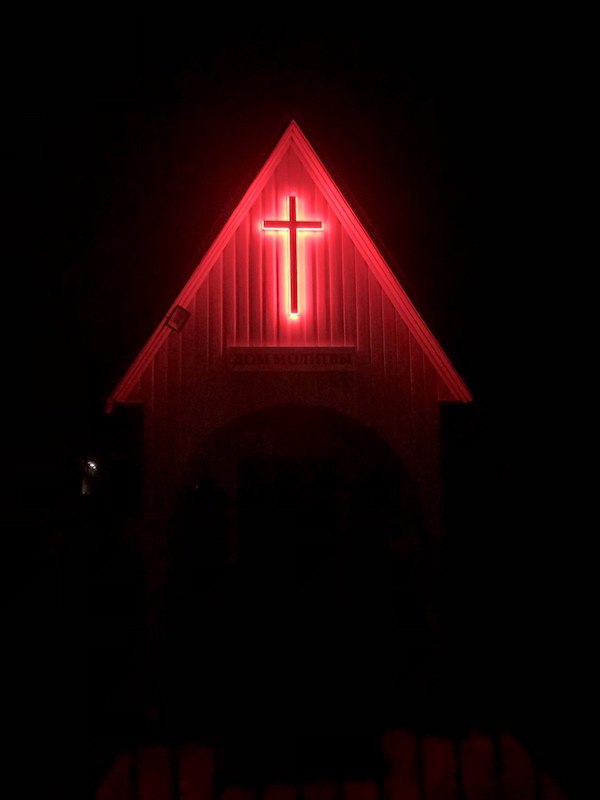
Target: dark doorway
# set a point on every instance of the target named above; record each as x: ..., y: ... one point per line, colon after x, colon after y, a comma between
x: 293, y: 591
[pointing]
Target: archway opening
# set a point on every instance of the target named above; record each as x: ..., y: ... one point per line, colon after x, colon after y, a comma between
x: 294, y: 600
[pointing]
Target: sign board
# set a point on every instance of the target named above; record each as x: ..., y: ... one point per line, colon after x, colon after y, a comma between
x: 292, y: 359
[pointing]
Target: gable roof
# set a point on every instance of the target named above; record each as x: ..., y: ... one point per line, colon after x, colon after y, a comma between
x: 294, y: 139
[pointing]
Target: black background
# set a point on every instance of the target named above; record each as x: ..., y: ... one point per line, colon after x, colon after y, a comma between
x: 129, y: 138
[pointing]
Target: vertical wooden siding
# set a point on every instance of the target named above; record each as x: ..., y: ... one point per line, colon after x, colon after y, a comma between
x: 189, y: 391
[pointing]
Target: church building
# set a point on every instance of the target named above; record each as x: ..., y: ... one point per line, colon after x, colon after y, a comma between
x: 291, y: 521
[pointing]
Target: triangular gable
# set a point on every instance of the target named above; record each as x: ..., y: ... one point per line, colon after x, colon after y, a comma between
x: 294, y: 139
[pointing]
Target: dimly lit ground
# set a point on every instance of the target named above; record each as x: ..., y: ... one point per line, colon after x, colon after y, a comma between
x: 128, y: 140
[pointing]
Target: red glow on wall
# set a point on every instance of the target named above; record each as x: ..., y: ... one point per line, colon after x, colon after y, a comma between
x: 293, y: 225
x: 343, y: 293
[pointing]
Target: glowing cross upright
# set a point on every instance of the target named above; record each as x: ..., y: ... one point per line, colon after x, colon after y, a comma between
x: 292, y: 224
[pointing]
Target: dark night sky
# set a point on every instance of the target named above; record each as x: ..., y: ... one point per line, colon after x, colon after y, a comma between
x: 131, y: 138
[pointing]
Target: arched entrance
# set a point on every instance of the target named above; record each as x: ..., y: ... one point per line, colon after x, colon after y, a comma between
x: 292, y: 595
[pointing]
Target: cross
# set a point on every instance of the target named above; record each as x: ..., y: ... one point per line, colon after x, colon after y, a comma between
x: 292, y: 224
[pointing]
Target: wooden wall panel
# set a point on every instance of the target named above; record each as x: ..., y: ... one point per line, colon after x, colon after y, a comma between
x: 188, y: 390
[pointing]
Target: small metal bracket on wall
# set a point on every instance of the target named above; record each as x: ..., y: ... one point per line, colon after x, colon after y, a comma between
x: 176, y: 318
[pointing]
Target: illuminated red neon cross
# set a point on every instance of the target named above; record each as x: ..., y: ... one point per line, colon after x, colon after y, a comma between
x: 292, y: 224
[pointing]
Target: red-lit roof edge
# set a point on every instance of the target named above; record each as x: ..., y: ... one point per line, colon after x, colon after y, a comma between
x: 293, y: 137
